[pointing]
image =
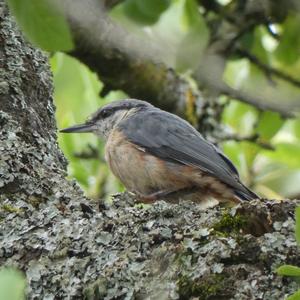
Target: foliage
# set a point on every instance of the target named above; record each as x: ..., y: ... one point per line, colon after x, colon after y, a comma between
x: 180, y: 31
x: 284, y: 51
x: 75, y: 85
x: 12, y: 284
x: 43, y: 23
x: 145, y: 12
x: 289, y: 270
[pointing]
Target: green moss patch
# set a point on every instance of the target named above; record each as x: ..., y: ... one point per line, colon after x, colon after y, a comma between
x: 229, y: 224
x: 206, y: 288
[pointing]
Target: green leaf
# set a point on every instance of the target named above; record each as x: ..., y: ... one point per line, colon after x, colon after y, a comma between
x: 191, y: 14
x: 76, y: 96
x: 12, y: 284
x: 296, y: 128
x: 233, y: 151
x: 145, y: 12
x: 297, y: 227
x: 289, y: 46
x: 240, y: 117
x: 242, y: 155
x: 153, y: 8
x: 268, y: 125
x: 279, y: 179
x: 247, y: 40
x: 288, y: 270
x: 257, y: 48
x: 250, y: 151
x: 190, y: 49
x: 295, y: 296
x: 192, y: 46
x: 43, y: 23
x: 286, y: 153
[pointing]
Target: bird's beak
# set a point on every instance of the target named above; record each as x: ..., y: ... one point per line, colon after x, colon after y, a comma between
x: 78, y: 128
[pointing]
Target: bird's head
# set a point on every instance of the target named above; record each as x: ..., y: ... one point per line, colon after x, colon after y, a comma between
x: 107, y: 117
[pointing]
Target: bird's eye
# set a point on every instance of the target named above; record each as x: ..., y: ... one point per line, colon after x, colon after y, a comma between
x: 105, y: 113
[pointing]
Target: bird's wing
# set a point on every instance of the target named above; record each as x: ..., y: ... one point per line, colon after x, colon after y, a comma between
x: 169, y: 137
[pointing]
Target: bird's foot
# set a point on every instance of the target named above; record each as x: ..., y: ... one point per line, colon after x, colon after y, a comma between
x: 163, y: 194
x: 151, y: 198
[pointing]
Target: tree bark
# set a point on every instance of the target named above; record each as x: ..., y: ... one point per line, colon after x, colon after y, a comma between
x: 126, y: 62
x: 71, y: 247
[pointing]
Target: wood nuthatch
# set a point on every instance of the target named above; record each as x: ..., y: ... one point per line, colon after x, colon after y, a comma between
x: 158, y: 155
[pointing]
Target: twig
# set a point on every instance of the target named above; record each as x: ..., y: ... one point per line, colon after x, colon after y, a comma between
x: 123, y: 60
x: 91, y: 153
x: 266, y: 68
x: 255, y: 100
x: 253, y: 138
x: 109, y: 4
x: 275, y: 35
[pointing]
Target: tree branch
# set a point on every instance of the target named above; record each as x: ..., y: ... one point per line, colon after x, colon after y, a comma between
x: 109, y: 4
x: 253, y: 138
x: 124, y: 61
x: 209, y: 76
x: 127, y: 62
x: 266, y: 68
x: 90, y: 153
x: 257, y: 101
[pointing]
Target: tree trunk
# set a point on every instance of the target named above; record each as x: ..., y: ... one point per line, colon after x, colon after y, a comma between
x: 71, y: 247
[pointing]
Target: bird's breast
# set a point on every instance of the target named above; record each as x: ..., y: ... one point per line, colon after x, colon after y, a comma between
x: 138, y: 170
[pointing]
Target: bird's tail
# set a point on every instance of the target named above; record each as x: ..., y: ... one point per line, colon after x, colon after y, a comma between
x: 245, y: 194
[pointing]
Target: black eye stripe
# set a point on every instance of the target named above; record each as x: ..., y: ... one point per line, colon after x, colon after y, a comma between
x: 108, y: 111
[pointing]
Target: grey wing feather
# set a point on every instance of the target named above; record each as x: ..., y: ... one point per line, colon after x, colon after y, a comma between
x: 169, y: 137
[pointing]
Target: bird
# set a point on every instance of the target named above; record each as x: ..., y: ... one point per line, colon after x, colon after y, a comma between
x: 159, y: 156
